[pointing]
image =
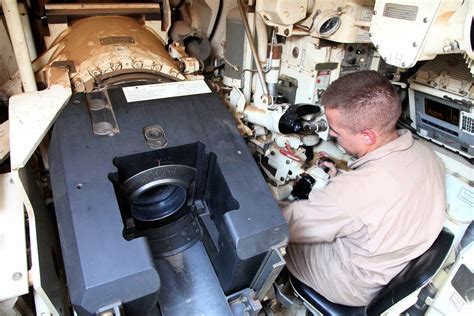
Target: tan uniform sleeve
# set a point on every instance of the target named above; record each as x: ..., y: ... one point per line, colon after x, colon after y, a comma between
x: 322, y: 217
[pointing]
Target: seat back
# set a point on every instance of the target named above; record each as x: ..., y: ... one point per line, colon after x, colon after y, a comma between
x: 414, y: 276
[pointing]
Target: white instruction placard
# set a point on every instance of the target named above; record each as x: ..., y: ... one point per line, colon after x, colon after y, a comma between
x: 165, y: 90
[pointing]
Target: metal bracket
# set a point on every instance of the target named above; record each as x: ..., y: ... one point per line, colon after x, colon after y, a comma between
x: 268, y: 272
x: 67, y: 64
x: 111, y: 310
x: 244, y: 303
x: 281, y: 297
x: 102, y: 113
x: 63, y: 11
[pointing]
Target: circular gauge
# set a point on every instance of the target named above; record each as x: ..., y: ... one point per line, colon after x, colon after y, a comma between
x: 329, y: 26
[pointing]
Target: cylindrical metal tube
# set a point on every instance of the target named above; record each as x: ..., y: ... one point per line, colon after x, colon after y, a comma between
x: 20, y: 47
x: 252, y: 47
x: 262, y: 38
x: 30, y: 42
x: 263, y: 117
x: 271, y: 77
x: 189, y: 284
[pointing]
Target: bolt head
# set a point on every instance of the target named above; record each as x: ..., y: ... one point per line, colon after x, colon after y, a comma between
x: 17, y: 276
x: 76, y: 82
x: 137, y: 64
x: 157, y: 66
x: 116, y: 66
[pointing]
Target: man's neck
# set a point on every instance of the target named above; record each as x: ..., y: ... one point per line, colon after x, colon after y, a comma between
x: 382, y: 139
x: 390, y: 137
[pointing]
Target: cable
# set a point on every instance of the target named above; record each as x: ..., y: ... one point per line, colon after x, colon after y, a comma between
x: 218, y: 17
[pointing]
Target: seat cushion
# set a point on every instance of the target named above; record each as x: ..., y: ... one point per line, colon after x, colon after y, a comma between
x: 320, y: 303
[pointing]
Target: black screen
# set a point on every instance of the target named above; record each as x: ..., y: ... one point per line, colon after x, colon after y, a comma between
x: 442, y: 112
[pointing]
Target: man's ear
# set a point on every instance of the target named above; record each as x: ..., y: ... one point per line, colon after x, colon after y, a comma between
x: 369, y: 137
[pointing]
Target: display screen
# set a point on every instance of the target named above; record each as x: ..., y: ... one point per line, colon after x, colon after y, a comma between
x: 442, y: 112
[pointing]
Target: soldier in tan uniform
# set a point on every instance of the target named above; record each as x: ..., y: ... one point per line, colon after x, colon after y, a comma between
x: 351, y: 238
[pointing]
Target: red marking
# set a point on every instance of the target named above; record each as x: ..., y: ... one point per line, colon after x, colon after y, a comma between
x: 288, y: 152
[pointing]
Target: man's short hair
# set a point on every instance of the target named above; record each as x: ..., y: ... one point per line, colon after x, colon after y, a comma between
x: 366, y: 100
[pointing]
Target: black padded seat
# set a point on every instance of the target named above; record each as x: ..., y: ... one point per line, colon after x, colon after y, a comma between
x: 413, y: 277
x: 320, y: 303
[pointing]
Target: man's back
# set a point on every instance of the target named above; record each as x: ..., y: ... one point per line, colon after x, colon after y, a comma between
x: 351, y: 238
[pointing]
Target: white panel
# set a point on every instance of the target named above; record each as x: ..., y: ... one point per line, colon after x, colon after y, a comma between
x: 31, y: 115
x: 398, y: 37
x: 13, y: 268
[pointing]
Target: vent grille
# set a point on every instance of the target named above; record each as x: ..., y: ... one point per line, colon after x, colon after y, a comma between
x: 401, y: 12
x: 467, y: 122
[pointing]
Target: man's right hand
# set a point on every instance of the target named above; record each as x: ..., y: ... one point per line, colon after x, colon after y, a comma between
x: 332, y: 168
x: 327, y: 164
